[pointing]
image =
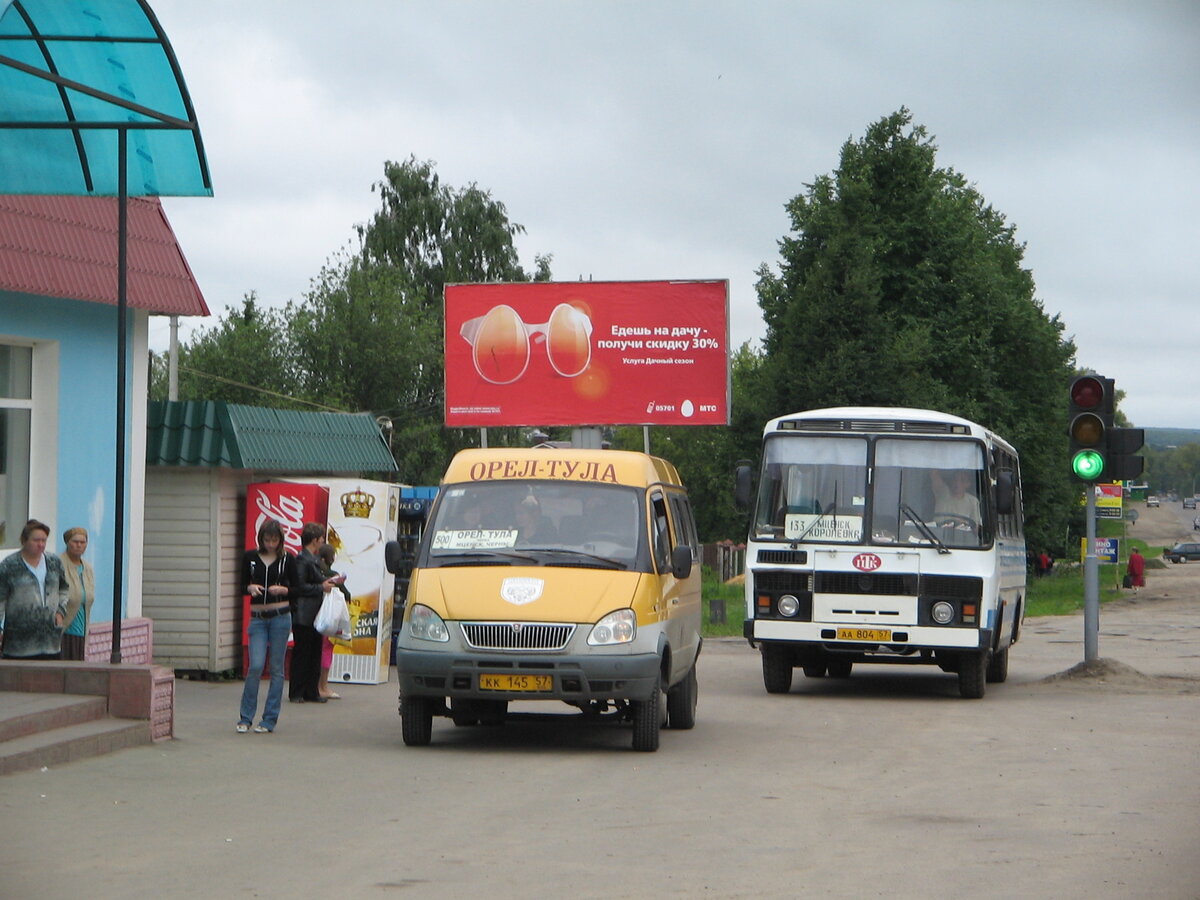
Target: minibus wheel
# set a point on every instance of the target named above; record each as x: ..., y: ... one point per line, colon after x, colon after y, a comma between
x: 647, y: 720
x: 416, y: 720
x: 681, y: 702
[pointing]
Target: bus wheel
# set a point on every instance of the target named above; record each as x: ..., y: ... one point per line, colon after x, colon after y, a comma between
x: 777, y: 668
x: 814, y: 670
x: 972, y: 674
x: 840, y: 668
x: 681, y: 702
x: 416, y: 720
x: 647, y: 719
x: 997, y: 670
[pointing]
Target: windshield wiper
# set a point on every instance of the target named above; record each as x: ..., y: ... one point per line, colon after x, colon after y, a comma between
x: 608, y: 561
x: 923, y: 528
x: 479, y: 557
x: 813, y: 524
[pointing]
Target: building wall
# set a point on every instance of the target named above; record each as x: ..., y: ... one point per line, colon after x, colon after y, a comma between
x: 193, y: 551
x: 73, y: 462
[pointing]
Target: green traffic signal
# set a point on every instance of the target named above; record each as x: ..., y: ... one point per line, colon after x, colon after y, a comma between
x: 1087, y: 465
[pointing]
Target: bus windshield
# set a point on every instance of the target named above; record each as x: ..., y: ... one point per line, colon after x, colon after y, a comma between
x: 927, y: 491
x: 813, y: 489
x: 913, y: 491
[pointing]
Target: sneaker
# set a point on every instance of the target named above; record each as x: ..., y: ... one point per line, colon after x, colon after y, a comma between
x: 262, y: 729
x: 242, y: 727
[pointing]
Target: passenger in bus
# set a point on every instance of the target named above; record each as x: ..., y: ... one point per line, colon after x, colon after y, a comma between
x: 532, y: 527
x: 952, y: 498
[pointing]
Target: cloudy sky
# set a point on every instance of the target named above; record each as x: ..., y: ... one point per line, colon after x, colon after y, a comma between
x: 649, y: 140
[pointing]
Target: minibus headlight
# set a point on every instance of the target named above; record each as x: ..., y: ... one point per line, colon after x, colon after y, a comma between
x: 426, y: 625
x: 788, y: 605
x: 618, y: 627
x: 942, y: 612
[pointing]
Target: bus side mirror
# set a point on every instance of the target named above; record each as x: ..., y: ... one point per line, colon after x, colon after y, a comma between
x: 681, y: 561
x: 741, y: 487
x: 398, y: 559
x: 1005, y: 492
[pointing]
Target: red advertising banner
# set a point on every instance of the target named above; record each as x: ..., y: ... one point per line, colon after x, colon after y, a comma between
x: 587, y: 353
x: 291, y: 505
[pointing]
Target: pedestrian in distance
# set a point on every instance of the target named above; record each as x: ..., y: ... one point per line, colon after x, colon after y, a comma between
x: 81, y: 591
x: 33, y: 598
x: 267, y: 574
x: 1136, y: 570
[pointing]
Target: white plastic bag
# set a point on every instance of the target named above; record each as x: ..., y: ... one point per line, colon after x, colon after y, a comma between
x: 333, y: 619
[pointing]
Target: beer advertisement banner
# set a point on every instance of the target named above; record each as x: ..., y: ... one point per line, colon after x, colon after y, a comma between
x: 587, y: 353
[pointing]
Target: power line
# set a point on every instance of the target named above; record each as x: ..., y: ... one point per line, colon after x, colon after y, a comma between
x: 251, y: 387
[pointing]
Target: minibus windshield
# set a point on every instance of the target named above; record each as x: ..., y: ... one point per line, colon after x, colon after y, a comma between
x: 548, y: 522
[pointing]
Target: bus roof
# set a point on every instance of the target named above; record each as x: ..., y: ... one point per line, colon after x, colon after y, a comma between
x: 560, y: 464
x: 879, y: 420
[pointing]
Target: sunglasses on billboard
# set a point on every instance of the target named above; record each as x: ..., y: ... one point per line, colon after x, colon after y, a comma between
x: 501, y: 342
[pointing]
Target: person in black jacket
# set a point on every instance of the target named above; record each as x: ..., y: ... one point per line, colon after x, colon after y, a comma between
x: 309, y: 587
x: 267, y: 573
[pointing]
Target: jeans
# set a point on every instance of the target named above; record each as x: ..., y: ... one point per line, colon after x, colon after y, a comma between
x: 266, y: 634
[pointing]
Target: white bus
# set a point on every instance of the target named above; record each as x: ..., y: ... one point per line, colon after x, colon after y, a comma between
x: 884, y: 535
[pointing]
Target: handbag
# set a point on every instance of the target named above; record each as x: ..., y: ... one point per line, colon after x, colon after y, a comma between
x: 1128, y: 582
x: 333, y: 619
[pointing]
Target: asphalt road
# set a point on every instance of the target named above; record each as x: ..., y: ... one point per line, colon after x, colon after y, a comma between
x: 1059, y: 783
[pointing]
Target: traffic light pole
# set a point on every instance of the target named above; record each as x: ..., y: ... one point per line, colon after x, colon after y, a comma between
x: 1091, y: 584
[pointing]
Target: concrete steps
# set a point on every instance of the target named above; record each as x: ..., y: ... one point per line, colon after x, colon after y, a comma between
x: 51, y: 729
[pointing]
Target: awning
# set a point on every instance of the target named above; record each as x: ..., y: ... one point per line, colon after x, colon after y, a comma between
x: 74, y: 77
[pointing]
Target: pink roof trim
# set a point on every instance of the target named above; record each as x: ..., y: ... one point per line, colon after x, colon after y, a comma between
x: 65, y: 246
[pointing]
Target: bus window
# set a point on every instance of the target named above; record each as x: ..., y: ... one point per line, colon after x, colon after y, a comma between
x: 813, y: 489
x: 928, y: 492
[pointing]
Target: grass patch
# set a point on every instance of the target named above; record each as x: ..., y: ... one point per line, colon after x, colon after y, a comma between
x: 1061, y: 592
x: 730, y: 596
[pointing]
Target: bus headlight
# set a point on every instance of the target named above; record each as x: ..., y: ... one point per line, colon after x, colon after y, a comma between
x: 426, y: 625
x: 618, y: 627
x: 788, y: 605
x: 942, y: 612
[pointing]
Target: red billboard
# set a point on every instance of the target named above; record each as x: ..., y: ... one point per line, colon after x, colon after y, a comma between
x: 587, y: 353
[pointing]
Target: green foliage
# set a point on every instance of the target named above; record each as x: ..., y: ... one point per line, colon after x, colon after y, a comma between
x: 900, y: 286
x: 731, y: 595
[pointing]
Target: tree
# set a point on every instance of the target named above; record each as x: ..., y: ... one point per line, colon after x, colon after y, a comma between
x: 244, y: 358
x: 900, y: 286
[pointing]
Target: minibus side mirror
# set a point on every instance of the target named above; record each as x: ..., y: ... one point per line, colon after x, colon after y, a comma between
x: 681, y: 561
x: 1005, y: 492
x: 741, y: 487
x: 397, y: 559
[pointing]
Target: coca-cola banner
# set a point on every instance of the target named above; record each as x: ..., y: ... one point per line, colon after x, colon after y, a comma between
x: 291, y: 505
x: 587, y: 353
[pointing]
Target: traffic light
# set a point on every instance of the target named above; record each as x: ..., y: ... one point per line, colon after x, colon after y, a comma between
x: 1090, y: 416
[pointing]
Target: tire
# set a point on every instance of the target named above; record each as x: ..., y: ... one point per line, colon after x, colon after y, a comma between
x: 777, y: 669
x: 815, y: 670
x: 840, y: 668
x: 972, y: 675
x: 997, y: 668
x: 416, y: 720
x: 647, y: 720
x: 681, y: 702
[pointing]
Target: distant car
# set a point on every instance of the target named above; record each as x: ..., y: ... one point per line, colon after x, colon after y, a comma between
x: 1189, y: 502
x: 1183, y: 553
x: 1152, y: 500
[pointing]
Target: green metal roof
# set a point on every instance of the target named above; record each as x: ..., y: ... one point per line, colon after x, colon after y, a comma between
x: 218, y: 434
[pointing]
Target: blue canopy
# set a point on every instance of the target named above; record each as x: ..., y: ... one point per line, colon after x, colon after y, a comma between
x: 74, y: 76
